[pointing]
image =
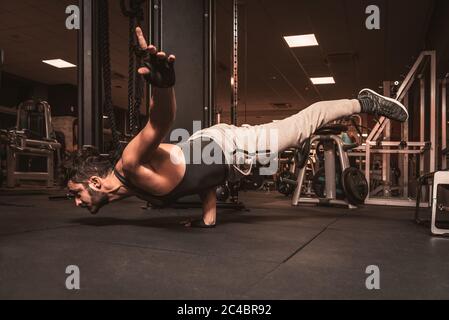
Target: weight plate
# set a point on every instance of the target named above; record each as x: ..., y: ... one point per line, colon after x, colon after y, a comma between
x: 285, y: 188
x: 222, y: 193
x: 355, y: 186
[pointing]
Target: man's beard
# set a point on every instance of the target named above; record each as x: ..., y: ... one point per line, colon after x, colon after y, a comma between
x: 99, y: 198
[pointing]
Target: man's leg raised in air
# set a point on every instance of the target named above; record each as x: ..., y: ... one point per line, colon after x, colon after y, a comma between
x: 291, y: 131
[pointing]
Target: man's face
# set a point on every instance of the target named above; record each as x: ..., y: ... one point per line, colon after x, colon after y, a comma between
x: 86, y: 197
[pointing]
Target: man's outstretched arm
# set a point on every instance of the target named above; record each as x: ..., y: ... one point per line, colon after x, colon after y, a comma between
x: 159, y: 71
x: 162, y: 111
x: 162, y: 115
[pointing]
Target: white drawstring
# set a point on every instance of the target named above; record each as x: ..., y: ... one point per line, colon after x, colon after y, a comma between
x: 250, y: 166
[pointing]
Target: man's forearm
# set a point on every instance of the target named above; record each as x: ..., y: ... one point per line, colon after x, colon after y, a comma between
x: 163, y: 108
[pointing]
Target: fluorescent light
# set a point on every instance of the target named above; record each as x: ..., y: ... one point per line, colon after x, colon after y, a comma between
x: 306, y: 40
x: 323, y: 80
x: 59, y: 63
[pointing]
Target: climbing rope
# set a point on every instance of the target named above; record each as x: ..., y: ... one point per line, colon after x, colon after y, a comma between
x: 135, y: 14
x: 105, y: 61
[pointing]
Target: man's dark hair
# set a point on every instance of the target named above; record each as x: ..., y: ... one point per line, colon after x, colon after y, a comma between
x: 88, y: 163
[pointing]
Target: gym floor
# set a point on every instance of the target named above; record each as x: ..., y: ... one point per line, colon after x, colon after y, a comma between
x: 274, y: 251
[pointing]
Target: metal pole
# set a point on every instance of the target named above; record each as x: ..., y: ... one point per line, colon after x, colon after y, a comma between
x: 329, y: 169
x: 85, y: 74
x: 368, y: 167
x: 408, y: 81
x: 97, y: 107
x: 206, y: 64
x: 90, y: 129
x: 156, y: 24
x: 208, y: 52
x: 154, y: 36
x: 235, y: 79
x: 386, y: 157
x: 212, y: 60
x: 161, y: 24
x: 405, y: 137
x: 422, y: 124
x: 433, y: 113
x: 444, y: 122
x: 405, y: 86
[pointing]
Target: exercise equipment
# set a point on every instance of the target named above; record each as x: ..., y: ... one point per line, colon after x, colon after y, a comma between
x: 34, y: 138
x: 354, y: 185
x: 350, y: 184
x: 287, y: 161
x: 438, y: 201
x: 319, y: 185
x: 327, y: 186
x: 222, y: 193
x: 286, y: 183
x: 254, y: 181
x: 418, y: 143
x: 302, y: 154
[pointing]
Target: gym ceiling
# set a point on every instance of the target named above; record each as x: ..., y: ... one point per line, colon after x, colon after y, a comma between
x: 32, y: 31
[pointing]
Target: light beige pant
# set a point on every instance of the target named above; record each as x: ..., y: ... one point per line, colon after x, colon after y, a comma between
x: 241, y: 143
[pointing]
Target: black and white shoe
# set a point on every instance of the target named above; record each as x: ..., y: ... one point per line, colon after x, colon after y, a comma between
x: 373, y: 103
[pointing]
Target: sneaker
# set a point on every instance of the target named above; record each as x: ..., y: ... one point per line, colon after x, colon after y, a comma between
x: 374, y: 103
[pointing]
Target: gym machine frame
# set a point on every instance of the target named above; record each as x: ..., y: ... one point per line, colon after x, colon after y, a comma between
x: 387, y: 148
x: 20, y: 145
x: 444, y: 123
x: 90, y: 114
x: 330, y: 169
x: 433, y: 180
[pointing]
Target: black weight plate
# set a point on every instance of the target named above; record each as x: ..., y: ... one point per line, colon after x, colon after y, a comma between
x: 284, y: 187
x: 302, y: 154
x: 355, y: 186
x: 222, y: 193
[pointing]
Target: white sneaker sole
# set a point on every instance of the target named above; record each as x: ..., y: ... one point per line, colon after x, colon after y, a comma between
x: 389, y: 99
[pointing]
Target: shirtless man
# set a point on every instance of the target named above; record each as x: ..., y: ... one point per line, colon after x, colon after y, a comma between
x: 161, y: 173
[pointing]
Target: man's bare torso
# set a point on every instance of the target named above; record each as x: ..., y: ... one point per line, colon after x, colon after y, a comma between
x: 161, y: 173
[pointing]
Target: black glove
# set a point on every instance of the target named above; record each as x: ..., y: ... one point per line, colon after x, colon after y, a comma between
x: 162, y: 71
